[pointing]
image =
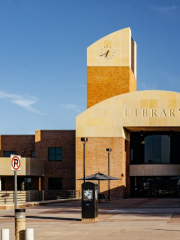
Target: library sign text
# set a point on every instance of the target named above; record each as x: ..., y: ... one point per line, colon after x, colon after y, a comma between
x: 148, y: 112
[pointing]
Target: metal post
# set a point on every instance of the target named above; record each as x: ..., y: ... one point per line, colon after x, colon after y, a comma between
x: 15, y: 189
x: 109, y: 175
x: 108, y: 150
x: 84, y: 160
x: 84, y: 140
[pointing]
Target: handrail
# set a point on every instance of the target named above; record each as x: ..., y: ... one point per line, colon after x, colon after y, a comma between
x: 35, y: 195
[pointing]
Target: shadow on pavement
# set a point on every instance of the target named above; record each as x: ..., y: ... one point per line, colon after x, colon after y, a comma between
x: 46, y: 218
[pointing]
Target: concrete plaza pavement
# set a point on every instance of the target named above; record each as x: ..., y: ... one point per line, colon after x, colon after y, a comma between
x: 125, y: 219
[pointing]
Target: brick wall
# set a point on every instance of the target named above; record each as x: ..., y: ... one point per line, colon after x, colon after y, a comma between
x: 127, y: 148
x: 9, y: 183
x: 35, y: 183
x: 107, y: 82
x: 65, y: 168
x: 17, y: 143
x: 97, y: 161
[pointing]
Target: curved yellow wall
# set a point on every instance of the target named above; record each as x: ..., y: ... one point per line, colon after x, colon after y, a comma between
x: 136, y: 109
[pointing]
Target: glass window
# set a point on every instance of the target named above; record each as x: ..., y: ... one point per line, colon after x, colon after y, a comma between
x: 175, y: 148
x: 136, y: 148
x: 8, y: 153
x: 154, y: 147
x: 55, y: 183
x: 55, y: 154
x: 23, y: 183
x: 157, y: 149
x: 33, y: 154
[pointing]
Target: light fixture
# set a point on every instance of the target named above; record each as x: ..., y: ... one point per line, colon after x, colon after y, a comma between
x: 84, y: 139
x: 142, y: 133
x: 108, y: 149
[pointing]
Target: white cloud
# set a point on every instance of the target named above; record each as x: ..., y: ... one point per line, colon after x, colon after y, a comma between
x: 166, y: 10
x: 71, y: 106
x: 144, y: 86
x: 22, y: 101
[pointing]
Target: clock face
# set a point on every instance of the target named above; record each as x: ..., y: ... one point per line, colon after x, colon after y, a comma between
x: 107, y: 52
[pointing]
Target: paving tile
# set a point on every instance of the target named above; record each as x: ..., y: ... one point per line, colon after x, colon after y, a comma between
x: 125, y: 219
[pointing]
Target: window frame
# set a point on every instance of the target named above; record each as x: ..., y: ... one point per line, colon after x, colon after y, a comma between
x: 33, y: 156
x: 55, y: 154
x: 10, y: 152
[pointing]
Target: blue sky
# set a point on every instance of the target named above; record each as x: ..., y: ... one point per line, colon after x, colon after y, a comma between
x: 43, y: 55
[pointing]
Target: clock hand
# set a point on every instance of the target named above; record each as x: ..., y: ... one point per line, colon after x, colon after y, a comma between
x: 102, y: 54
x: 107, y: 53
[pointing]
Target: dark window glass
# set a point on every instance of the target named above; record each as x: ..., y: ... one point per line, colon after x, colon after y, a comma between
x: 55, y: 154
x: 23, y: 183
x: 33, y: 154
x: 55, y: 183
x: 8, y: 153
x: 152, y: 186
x: 136, y: 148
x: 155, y: 147
x: 175, y: 148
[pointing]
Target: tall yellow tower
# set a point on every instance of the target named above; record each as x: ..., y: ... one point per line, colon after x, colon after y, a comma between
x: 111, y: 67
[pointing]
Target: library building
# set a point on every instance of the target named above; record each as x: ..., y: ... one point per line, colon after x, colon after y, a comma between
x: 137, y: 131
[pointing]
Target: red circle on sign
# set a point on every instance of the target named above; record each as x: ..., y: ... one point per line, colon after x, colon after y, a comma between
x: 12, y: 163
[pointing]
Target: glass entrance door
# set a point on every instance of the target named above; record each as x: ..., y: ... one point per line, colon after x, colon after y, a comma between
x: 154, y: 187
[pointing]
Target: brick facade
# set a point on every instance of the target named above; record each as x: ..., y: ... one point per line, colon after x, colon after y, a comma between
x: 18, y: 143
x: 40, y: 142
x: 127, y: 149
x: 36, y: 183
x: 9, y: 183
x: 97, y: 161
x: 65, y: 168
x: 107, y: 82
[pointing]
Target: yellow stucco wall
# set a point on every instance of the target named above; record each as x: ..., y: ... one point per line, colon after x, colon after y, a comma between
x: 119, y: 42
x: 29, y: 167
x: 111, y: 75
x: 137, y: 109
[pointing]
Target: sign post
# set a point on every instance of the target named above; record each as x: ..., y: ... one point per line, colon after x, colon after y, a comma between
x: 20, y: 219
x: 15, y: 189
x: 15, y: 166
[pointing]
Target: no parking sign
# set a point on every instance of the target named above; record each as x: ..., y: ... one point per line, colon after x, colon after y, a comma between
x: 15, y: 162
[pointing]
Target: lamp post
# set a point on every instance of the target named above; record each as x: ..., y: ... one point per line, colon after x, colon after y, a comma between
x: 84, y: 140
x: 108, y: 150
